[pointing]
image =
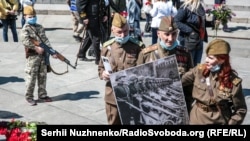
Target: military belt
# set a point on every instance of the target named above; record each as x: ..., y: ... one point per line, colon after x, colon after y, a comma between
x: 207, y: 108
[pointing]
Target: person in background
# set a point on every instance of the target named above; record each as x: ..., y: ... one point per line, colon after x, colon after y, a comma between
x: 134, y: 17
x: 94, y: 14
x: 217, y: 90
x: 23, y: 4
x: 160, y: 9
x: 77, y: 22
x: 168, y: 45
x: 192, y: 14
x: 119, y: 4
x: 147, y: 8
x: 121, y: 46
x: 36, y: 68
x: 8, y: 16
x: 1, y: 11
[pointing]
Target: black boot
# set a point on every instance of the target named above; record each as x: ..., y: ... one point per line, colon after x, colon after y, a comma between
x: 225, y: 28
x: 85, y: 59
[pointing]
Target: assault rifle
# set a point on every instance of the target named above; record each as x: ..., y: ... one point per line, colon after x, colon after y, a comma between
x: 51, y: 51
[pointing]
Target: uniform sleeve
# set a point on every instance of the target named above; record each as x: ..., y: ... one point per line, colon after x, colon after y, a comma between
x: 25, y: 38
x: 188, y: 77
x: 81, y: 8
x: 239, y: 103
x: 101, y: 66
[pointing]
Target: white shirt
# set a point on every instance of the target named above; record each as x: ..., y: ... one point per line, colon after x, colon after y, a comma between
x: 161, y: 9
x: 27, y: 2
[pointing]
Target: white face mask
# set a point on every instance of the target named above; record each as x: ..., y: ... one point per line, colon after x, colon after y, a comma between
x: 215, y: 68
x: 122, y: 40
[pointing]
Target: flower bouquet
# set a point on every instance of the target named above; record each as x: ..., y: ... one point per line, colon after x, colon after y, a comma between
x: 17, y: 130
x: 222, y: 14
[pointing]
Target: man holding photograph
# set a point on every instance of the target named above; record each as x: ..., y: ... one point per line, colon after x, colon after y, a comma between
x: 122, y: 52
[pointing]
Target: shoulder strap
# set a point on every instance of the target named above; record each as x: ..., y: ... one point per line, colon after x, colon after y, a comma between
x: 137, y: 42
x: 150, y: 48
x: 108, y: 42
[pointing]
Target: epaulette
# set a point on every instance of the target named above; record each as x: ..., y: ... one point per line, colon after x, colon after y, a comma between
x: 109, y: 42
x: 136, y: 41
x: 236, y: 80
x: 150, y: 48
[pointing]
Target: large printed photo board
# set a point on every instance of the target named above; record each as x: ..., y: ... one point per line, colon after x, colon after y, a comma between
x: 150, y: 94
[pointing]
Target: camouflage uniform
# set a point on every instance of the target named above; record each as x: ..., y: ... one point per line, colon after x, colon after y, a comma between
x: 36, y: 68
x: 121, y: 57
x: 205, y: 111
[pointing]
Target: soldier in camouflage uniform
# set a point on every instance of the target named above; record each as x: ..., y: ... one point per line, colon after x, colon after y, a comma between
x: 167, y: 46
x: 122, y: 52
x: 36, y: 69
x: 217, y: 90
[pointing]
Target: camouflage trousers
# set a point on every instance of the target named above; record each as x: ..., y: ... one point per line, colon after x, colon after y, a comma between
x: 35, y: 70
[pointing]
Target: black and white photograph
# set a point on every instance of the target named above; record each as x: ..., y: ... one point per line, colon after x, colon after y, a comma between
x: 150, y: 94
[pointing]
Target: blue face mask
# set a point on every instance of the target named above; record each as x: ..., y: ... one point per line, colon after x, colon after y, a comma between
x: 122, y: 40
x: 164, y: 46
x: 215, y: 68
x: 32, y: 20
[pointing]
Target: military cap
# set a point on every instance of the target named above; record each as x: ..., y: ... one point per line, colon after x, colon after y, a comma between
x: 119, y: 76
x: 133, y: 78
x: 218, y: 46
x: 167, y: 24
x: 118, y: 20
x: 29, y: 10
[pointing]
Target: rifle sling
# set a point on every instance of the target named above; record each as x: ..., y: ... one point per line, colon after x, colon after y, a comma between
x: 45, y: 56
x: 52, y: 70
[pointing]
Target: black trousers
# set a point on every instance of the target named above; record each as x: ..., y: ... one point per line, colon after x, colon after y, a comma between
x: 92, y: 39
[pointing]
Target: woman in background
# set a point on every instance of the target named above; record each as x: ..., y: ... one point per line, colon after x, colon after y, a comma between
x: 190, y: 15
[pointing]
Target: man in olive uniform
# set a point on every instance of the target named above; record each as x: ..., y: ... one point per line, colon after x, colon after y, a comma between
x: 123, y: 51
x: 36, y: 67
x: 167, y: 46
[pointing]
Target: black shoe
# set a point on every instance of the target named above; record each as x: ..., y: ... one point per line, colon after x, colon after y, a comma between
x: 85, y: 59
x: 227, y: 30
x: 32, y: 102
x: 97, y: 62
x: 44, y: 99
x: 77, y: 38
